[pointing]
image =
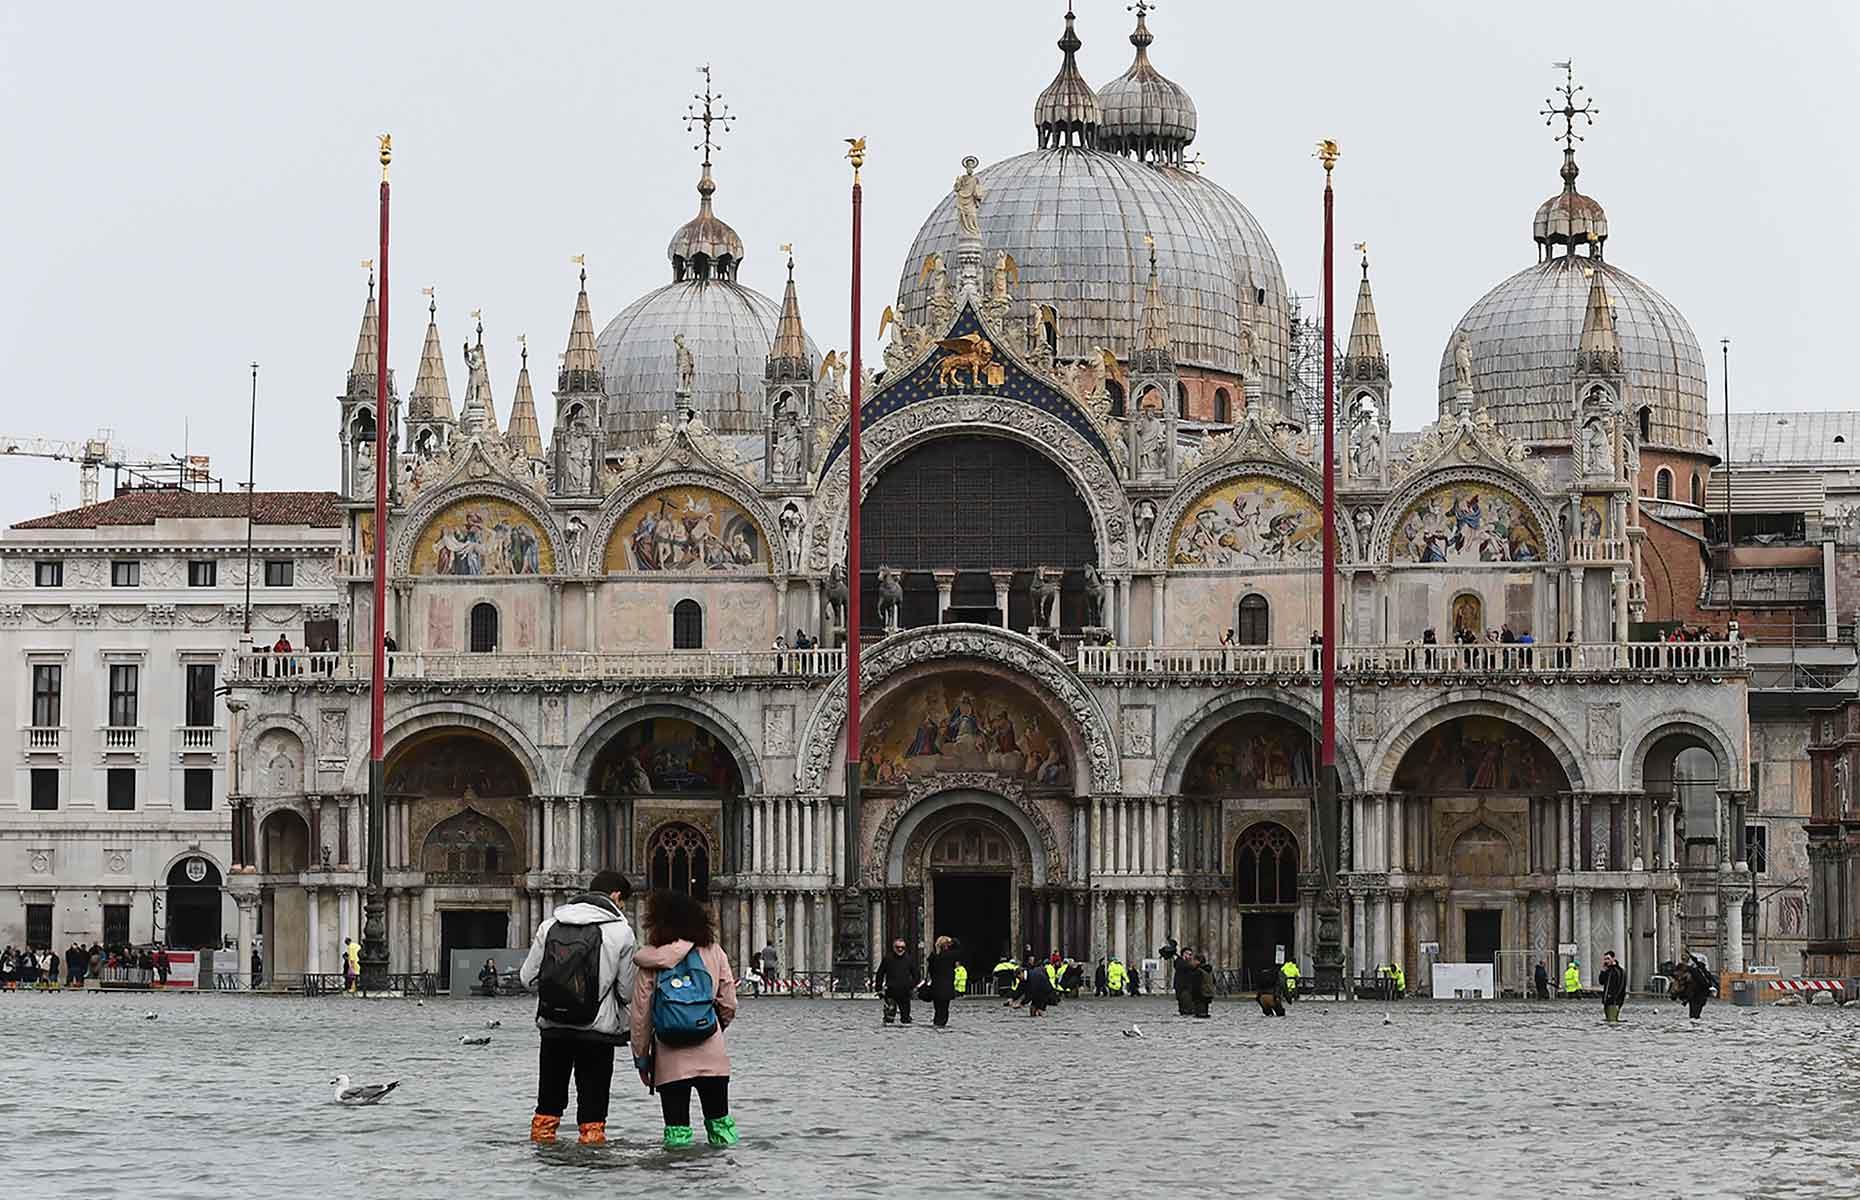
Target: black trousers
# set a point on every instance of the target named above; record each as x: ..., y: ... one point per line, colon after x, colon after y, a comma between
x: 942, y: 1012
x: 900, y: 1006
x: 1696, y: 1003
x: 591, y: 1063
x: 713, y: 1094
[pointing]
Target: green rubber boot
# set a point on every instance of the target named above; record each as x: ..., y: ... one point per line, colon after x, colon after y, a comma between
x: 721, y: 1131
x: 677, y: 1137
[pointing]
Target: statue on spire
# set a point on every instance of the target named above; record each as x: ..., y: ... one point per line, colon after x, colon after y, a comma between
x: 969, y: 197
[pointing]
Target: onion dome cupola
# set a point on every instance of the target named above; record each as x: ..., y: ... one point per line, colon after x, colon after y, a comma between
x: 1067, y: 112
x: 1525, y: 335
x: 1142, y: 113
x: 727, y: 328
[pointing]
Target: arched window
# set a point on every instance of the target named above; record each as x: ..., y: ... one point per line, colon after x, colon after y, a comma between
x: 364, y: 426
x: 1663, y: 484
x: 1266, y: 866
x: 483, y: 627
x: 1698, y: 491
x: 1223, y: 405
x: 1181, y: 400
x: 687, y: 625
x: 1255, y: 625
x: 1115, y: 391
x: 678, y: 860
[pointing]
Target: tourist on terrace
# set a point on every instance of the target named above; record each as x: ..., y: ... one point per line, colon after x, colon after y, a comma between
x: 679, y: 928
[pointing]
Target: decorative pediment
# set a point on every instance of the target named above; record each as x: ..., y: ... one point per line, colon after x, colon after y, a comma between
x: 478, y: 459
x: 1467, y: 439
x: 681, y: 443
x: 1255, y: 440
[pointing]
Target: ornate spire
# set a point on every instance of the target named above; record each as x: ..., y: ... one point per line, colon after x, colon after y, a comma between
x: 1153, y: 333
x: 581, y: 362
x: 432, y: 398
x: 367, y: 344
x: 706, y: 247
x: 480, y: 412
x: 1364, y: 358
x: 524, y: 436
x: 1066, y: 114
x: 1569, y: 218
x: 1599, y: 351
x: 788, y: 356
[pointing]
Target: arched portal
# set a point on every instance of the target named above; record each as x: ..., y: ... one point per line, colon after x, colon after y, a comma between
x: 969, y: 870
x: 1254, y: 754
x: 666, y: 767
x: 283, y: 915
x: 1265, y: 878
x: 193, y: 905
x: 975, y: 505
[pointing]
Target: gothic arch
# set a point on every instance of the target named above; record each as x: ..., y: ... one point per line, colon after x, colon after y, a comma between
x: 456, y: 715
x: 1042, y: 672
x: 927, y: 798
x: 1429, y: 712
x: 430, y: 504
x: 1192, y: 732
x: 1636, y: 744
x: 593, y: 555
x: 896, y: 434
x: 1510, y: 482
x: 249, y: 757
x: 578, y: 764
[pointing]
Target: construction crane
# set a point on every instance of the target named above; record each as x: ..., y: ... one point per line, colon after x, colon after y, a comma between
x: 94, y: 453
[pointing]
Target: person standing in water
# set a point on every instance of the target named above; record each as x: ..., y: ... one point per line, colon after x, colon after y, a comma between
x: 675, y: 1061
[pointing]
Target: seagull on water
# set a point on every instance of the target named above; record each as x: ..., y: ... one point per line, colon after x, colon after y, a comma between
x: 362, y: 1093
x: 1133, y: 1032
x: 493, y: 1024
x: 481, y: 1040
x: 150, y: 1015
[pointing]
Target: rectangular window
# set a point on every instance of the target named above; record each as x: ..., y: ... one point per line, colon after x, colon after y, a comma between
x: 199, y: 698
x: 124, y: 680
x: 39, y: 926
x: 1757, y: 848
x: 44, y: 789
x: 278, y: 572
x: 48, y: 574
x: 126, y: 573
x: 1520, y: 603
x: 48, y: 691
x: 197, y: 789
x: 116, y: 925
x: 203, y: 573
x: 122, y: 789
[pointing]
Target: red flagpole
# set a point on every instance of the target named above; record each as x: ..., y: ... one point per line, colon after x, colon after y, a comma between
x: 1327, y: 152
x: 374, y: 923
x: 853, y: 961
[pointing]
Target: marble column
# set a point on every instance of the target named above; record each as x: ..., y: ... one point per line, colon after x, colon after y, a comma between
x: 758, y: 922
x: 1398, y: 929
x: 397, y: 930
x: 1575, y: 606
x: 1731, y: 917
x: 1398, y: 833
x: 429, y: 932
x: 1099, y: 945
x: 945, y: 586
x: 345, y: 915
x: 1624, y: 939
x: 1097, y: 839
x: 313, y: 915
x: 248, y: 928
x: 1158, y: 592
x: 589, y: 618
x: 758, y: 838
x: 743, y: 931
x: 1124, y: 637
x: 1358, y: 933
x: 1159, y: 836
x: 1584, y: 950
x: 1056, y: 933
x: 1002, y: 581
x: 1379, y: 926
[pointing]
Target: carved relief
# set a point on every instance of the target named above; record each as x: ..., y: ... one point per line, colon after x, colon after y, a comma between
x: 1604, y: 738
x: 1139, y: 730
x: 778, y: 729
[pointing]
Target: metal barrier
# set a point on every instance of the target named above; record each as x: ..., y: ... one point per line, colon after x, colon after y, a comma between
x: 333, y: 983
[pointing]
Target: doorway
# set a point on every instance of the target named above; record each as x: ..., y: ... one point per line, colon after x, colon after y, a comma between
x: 1484, y: 927
x: 193, y: 906
x: 1262, y: 936
x: 976, y: 911
x: 470, y: 929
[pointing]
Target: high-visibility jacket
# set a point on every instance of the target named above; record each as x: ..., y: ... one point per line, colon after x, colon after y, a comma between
x: 1053, y: 973
x: 1572, y: 979
x: 1401, y: 978
x: 962, y: 979
x: 1115, y: 976
x: 1290, y: 971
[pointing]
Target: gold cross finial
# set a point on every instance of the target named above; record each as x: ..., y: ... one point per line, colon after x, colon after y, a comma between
x: 715, y: 116
x: 1569, y: 110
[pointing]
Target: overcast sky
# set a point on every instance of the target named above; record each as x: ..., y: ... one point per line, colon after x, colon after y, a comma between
x: 192, y: 187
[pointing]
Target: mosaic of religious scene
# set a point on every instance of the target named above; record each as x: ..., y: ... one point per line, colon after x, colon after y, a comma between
x: 482, y: 536
x: 1594, y: 517
x: 1479, y: 754
x: 662, y: 755
x: 964, y: 722
x: 686, y: 529
x: 455, y: 766
x: 1249, y: 521
x: 1251, y: 754
x: 1467, y: 523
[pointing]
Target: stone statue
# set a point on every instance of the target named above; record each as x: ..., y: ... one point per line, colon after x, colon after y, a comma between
x: 1152, y: 454
x: 1462, y: 363
x: 1840, y: 785
x: 1144, y: 515
x: 1249, y: 352
x: 890, y: 597
x: 838, y: 597
x: 1006, y: 269
x: 787, y: 457
x: 1045, y: 589
x: 1094, y: 596
x: 791, y: 523
x: 687, y: 365
x: 365, y: 468
x: 1366, y: 454
x: 969, y: 197
x: 573, y: 532
x: 1595, y: 445
x: 578, y: 459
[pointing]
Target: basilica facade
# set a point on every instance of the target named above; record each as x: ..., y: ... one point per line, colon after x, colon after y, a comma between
x: 1091, y: 532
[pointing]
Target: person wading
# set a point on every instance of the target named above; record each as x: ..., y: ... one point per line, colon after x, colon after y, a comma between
x: 581, y: 965
x: 1614, y: 988
x: 942, y: 973
x: 895, y: 980
x: 684, y: 997
x: 1572, y: 980
x: 1037, y: 990
x: 1185, y: 977
x: 1541, y: 978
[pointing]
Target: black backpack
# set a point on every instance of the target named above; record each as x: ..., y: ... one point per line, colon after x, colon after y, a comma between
x: 568, y: 985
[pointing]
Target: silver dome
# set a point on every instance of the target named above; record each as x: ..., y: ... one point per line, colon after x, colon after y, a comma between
x: 727, y: 327
x: 1074, y: 219
x: 1141, y: 112
x: 1524, y: 333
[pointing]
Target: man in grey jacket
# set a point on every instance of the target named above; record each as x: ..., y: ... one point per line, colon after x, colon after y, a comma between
x: 581, y: 964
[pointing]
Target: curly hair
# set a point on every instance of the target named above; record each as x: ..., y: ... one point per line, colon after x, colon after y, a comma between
x: 674, y: 916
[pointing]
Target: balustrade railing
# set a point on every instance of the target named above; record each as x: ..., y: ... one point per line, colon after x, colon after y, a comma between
x: 1547, y: 659
x: 1585, y: 550
x: 296, y: 667
x: 43, y: 739
x: 196, y: 737
x: 121, y: 737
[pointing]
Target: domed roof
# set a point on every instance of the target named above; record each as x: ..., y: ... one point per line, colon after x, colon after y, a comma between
x: 1066, y: 114
x: 705, y: 244
x: 1570, y: 218
x: 1523, y: 336
x: 1074, y: 220
x: 1141, y: 112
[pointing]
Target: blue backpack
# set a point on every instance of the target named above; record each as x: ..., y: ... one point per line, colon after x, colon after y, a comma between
x: 684, y: 1003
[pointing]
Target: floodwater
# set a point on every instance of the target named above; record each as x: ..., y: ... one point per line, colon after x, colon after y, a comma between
x: 227, y: 1096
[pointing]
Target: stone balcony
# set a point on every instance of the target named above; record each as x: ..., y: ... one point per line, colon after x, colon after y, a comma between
x: 1550, y: 662
x: 49, y: 740
x: 769, y: 668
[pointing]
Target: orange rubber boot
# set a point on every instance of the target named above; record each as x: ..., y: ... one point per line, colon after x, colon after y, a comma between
x: 594, y: 1133
x: 542, y: 1127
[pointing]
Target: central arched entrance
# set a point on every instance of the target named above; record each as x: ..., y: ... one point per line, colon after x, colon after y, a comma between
x: 194, y: 917
x: 966, y: 869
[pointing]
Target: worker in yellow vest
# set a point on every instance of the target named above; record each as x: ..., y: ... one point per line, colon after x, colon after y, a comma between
x: 1288, y: 976
x: 1055, y: 971
x: 1401, y: 980
x: 1116, y: 976
x: 962, y: 979
x: 1572, y: 980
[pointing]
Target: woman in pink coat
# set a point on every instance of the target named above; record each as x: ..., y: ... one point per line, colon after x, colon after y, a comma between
x: 676, y: 923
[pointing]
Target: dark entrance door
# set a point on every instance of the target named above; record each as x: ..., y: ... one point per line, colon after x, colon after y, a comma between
x: 193, y: 905
x: 1262, y: 935
x: 469, y: 929
x: 1483, y: 926
x: 974, y: 909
